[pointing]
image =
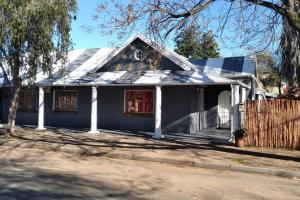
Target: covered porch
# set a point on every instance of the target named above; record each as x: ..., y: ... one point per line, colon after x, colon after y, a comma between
x: 176, y: 109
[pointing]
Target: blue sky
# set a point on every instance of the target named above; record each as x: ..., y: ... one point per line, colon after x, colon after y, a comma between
x: 83, y: 39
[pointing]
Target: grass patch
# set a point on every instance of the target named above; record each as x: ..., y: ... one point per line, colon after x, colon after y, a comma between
x: 239, y: 161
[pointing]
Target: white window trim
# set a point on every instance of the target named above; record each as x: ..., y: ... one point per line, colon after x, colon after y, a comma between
x: 139, y: 90
x: 53, y: 101
x: 36, y: 101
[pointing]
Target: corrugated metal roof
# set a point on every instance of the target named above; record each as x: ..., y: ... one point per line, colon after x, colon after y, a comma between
x: 157, y: 77
x: 242, y: 65
x: 83, y: 63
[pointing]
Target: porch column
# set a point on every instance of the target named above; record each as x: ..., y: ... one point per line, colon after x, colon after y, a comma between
x: 157, y: 133
x: 243, y: 95
x: 202, y: 124
x: 94, y: 111
x: 253, y: 88
x: 41, y: 109
x: 243, y: 101
x: 235, y: 97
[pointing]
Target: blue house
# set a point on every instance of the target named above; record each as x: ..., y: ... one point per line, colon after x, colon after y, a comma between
x: 140, y: 86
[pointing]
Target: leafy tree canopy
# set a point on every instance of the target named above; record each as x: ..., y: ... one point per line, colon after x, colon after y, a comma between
x: 193, y: 44
x: 34, y: 34
x: 267, y: 69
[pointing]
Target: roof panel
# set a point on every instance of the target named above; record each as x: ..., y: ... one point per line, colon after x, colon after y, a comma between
x: 234, y: 64
x: 241, y: 65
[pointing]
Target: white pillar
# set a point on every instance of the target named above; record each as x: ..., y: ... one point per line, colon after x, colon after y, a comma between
x: 235, y: 97
x: 94, y: 111
x: 41, y: 109
x: 157, y: 133
x: 243, y: 91
x: 243, y: 101
x: 202, y: 120
x: 260, y: 97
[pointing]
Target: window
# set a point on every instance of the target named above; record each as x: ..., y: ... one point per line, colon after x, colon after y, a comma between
x: 65, y: 101
x: 138, y: 55
x: 139, y: 102
x: 27, y: 101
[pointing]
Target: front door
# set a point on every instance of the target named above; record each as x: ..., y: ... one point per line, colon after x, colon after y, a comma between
x: 224, y: 109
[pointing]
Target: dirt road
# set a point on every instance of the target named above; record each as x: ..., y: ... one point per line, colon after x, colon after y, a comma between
x: 37, y: 174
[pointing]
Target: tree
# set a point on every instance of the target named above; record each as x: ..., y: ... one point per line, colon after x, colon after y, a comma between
x: 192, y: 44
x: 290, y: 47
x: 188, y: 43
x: 255, y: 24
x: 209, y: 46
x: 267, y: 70
x: 34, y: 34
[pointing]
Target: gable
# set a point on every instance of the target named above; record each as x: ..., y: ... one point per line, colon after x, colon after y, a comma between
x: 151, y: 59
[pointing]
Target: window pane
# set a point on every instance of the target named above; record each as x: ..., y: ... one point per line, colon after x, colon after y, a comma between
x: 139, y: 102
x: 65, y: 101
x: 27, y: 100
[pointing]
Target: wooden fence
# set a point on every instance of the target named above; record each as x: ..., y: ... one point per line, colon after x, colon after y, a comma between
x: 273, y: 123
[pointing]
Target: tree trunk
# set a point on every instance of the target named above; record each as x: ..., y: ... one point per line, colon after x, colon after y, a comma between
x: 14, y: 100
x: 13, y: 107
x: 290, y: 52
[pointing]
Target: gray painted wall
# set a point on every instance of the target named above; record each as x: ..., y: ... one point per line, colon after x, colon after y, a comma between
x: 177, y: 106
x: 79, y: 119
x: 111, y: 107
x: 175, y: 109
x: 28, y: 118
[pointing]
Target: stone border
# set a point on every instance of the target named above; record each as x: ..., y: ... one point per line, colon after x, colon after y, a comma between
x: 68, y: 148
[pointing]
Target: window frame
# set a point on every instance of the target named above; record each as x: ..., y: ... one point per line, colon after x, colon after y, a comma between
x: 140, y: 114
x: 137, y: 53
x: 64, y: 111
x: 35, y: 101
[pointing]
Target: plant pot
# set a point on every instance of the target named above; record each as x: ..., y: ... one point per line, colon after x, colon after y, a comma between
x: 239, y: 142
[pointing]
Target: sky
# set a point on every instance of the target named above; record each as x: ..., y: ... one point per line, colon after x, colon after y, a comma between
x: 83, y: 39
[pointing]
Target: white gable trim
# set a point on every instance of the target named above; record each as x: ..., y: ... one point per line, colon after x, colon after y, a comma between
x: 174, y: 57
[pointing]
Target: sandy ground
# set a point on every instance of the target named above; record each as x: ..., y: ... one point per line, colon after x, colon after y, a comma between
x: 38, y: 174
x: 196, y: 148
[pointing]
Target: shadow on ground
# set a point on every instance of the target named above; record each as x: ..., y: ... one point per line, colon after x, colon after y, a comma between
x: 20, y: 181
x: 208, y: 142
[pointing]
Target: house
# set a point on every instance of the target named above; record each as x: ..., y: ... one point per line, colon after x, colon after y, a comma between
x: 139, y: 86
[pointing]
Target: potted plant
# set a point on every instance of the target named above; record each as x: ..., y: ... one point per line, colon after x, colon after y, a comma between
x: 239, y: 136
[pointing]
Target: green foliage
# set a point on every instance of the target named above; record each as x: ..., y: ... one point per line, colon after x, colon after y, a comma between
x: 34, y: 34
x: 209, y: 46
x: 240, y: 133
x: 267, y: 71
x: 272, y: 78
x: 192, y: 44
x: 188, y: 43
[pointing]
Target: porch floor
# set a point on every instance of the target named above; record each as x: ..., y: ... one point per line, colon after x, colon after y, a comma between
x: 207, y: 146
